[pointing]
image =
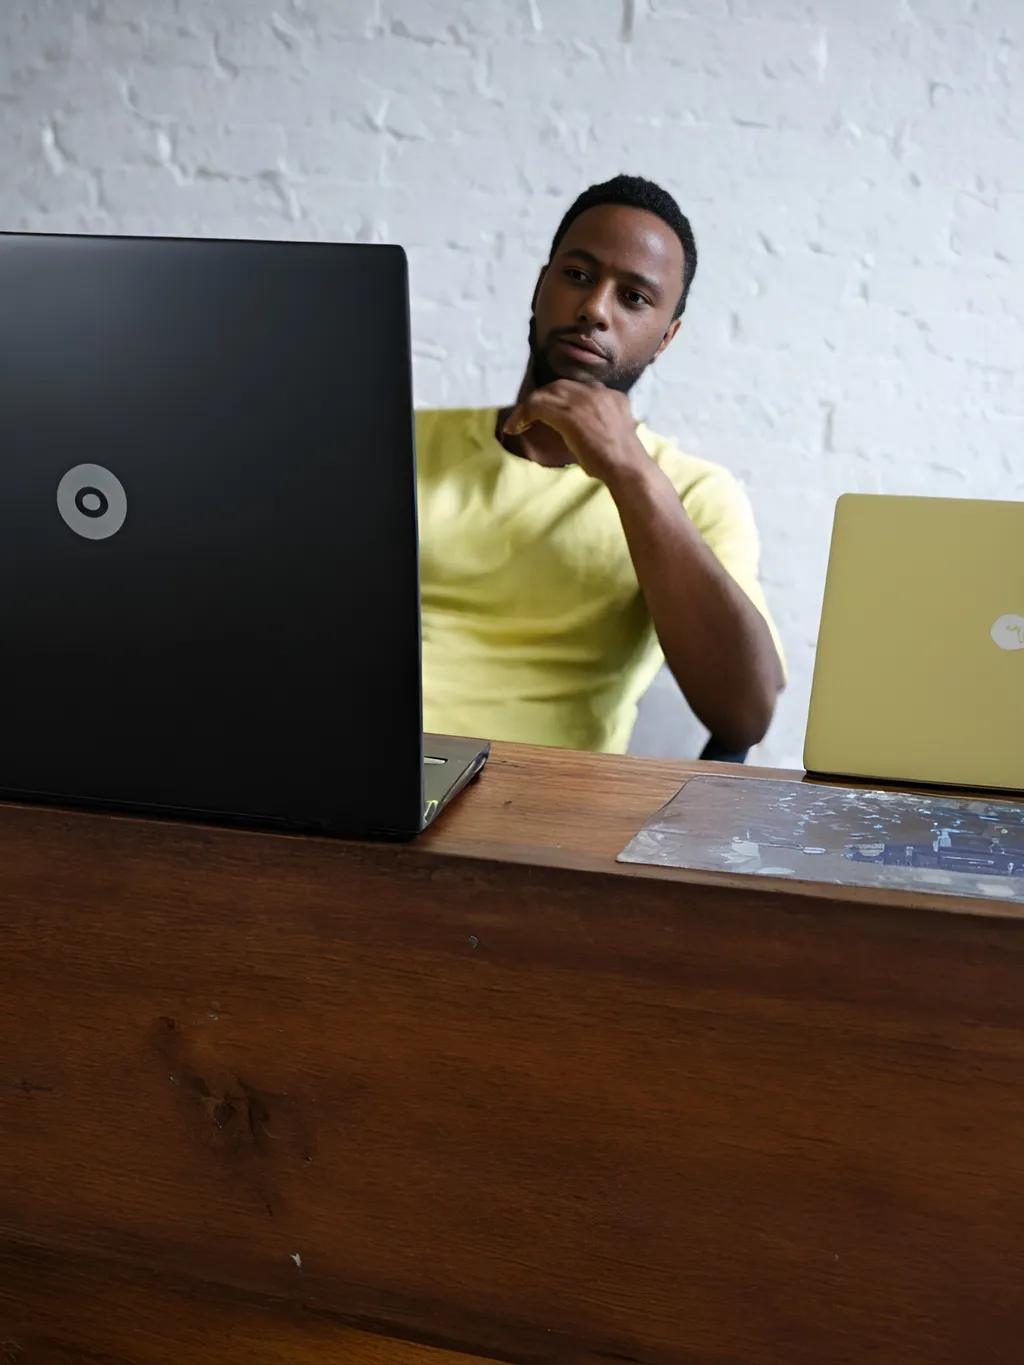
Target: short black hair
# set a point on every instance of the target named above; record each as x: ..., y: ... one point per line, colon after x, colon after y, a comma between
x: 634, y: 192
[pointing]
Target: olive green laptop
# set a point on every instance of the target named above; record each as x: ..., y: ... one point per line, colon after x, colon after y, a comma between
x: 920, y: 669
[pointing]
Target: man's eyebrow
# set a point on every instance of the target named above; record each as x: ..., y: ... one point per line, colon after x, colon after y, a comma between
x: 633, y: 276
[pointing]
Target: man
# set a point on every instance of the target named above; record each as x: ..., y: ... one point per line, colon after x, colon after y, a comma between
x: 565, y: 548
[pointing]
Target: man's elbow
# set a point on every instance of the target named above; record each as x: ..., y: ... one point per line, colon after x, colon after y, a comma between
x: 752, y: 719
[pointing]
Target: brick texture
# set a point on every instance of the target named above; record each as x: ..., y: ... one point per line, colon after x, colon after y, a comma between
x: 854, y: 170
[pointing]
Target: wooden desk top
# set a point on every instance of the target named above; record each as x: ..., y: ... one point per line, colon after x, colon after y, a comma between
x: 557, y: 808
x: 555, y: 805
x: 543, y: 808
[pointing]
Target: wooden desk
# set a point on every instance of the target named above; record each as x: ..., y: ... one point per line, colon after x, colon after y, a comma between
x: 267, y: 1099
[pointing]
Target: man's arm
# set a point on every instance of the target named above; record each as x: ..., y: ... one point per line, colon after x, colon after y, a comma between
x: 714, y: 639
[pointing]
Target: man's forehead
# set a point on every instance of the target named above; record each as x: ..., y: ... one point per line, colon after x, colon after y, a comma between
x: 626, y: 237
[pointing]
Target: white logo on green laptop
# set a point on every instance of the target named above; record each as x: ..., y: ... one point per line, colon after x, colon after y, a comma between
x: 1008, y: 632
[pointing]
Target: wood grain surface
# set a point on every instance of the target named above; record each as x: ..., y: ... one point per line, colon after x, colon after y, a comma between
x: 138, y: 1317
x: 559, y: 808
x: 264, y: 1094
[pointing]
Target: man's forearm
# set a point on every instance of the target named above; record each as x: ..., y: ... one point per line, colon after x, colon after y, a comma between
x: 714, y: 639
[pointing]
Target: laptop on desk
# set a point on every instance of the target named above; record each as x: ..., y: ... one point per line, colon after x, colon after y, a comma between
x: 208, y: 535
x: 920, y: 668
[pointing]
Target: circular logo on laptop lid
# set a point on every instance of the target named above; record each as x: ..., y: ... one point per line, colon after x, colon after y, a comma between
x: 1008, y: 632
x: 92, y: 501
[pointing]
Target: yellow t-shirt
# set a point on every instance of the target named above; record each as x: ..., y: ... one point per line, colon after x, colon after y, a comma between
x: 534, y: 627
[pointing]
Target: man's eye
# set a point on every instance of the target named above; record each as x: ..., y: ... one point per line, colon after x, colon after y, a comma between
x: 636, y: 299
x: 579, y: 276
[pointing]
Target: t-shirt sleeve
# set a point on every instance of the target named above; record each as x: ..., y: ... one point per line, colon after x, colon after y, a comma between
x: 721, y: 512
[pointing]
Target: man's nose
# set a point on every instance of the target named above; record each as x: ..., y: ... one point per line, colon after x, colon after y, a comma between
x: 595, y: 307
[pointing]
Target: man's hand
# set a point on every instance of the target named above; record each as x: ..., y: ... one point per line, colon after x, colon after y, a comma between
x: 596, y: 425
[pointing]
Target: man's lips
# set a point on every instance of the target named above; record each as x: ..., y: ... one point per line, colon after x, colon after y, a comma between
x: 582, y: 349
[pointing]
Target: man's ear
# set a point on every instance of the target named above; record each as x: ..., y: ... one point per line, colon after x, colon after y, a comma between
x: 668, y: 337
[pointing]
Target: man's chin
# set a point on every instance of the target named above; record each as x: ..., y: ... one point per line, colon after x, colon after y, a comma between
x: 546, y: 372
x: 584, y: 375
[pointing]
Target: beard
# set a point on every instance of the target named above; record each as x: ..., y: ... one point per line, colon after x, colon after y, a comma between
x: 621, y: 378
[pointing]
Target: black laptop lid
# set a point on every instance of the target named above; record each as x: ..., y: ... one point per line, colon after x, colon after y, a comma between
x: 239, y: 416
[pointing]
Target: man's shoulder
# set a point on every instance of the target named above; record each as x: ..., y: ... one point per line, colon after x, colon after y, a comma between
x: 446, y: 438
x: 691, y: 476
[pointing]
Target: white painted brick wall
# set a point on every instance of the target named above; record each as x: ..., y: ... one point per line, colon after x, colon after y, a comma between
x: 854, y: 170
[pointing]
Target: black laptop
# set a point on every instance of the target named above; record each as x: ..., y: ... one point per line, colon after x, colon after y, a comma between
x: 208, y: 535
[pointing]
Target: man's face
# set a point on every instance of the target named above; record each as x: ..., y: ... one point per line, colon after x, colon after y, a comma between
x: 604, y: 304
